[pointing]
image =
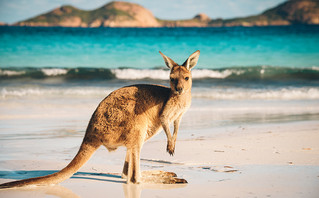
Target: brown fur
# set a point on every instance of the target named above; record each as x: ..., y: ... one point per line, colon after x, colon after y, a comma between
x: 128, y: 117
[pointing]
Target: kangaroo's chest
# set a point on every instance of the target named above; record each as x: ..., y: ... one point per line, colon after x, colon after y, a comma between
x: 177, y: 108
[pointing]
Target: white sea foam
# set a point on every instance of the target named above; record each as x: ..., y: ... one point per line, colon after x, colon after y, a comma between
x: 4, y: 72
x: 135, y: 74
x: 205, y: 73
x: 54, y: 71
x: 209, y: 93
x: 161, y: 74
x: 48, y: 92
x: 258, y: 94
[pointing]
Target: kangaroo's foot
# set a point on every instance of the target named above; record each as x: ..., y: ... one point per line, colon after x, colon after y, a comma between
x: 124, y: 176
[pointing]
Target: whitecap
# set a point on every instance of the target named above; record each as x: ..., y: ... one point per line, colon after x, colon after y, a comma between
x: 54, y: 71
x: 4, y: 72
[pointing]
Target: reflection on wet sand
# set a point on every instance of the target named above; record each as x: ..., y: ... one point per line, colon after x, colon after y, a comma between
x: 39, y: 191
x: 155, y: 180
x: 135, y: 190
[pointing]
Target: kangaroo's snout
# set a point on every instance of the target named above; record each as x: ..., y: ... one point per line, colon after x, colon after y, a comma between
x: 179, y: 87
x: 179, y: 90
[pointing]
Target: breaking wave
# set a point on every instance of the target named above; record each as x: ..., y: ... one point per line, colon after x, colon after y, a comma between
x: 234, y: 73
x: 236, y: 83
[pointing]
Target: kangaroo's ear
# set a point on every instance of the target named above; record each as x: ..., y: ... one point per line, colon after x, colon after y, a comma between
x: 169, y: 62
x: 192, y: 60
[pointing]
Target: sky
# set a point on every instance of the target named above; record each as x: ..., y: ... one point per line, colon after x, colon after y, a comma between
x: 12, y: 11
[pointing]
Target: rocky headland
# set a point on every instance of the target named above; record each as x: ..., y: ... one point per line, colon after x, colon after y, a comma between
x: 125, y: 14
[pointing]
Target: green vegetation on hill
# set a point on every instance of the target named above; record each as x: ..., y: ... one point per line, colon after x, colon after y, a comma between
x: 59, y: 14
x: 64, y: 12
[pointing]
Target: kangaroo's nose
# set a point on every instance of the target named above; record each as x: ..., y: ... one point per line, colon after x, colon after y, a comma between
x: 179, y: 89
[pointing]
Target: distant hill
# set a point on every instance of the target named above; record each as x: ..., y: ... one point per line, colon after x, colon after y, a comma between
x: 3, y: 24
x: 125, y: 14
x: 287, y: 13
x: 114, y: 14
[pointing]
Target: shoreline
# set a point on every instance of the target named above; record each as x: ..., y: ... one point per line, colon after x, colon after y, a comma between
x: 254, y: 160
x: 161, y: 27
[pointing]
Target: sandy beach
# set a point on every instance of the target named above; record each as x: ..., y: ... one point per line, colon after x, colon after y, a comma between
x: 265, y: 160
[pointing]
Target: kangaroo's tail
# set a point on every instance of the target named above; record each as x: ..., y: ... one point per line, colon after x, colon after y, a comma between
x: 85, y: 152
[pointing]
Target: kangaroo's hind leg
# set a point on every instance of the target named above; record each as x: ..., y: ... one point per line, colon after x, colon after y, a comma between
x: 133, y: 173
x: 126, y: 164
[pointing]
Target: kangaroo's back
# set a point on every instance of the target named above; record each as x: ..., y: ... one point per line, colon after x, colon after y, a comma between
x: 120, y: 112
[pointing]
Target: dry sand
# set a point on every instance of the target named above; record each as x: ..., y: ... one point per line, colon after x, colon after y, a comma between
x: 273, y: 160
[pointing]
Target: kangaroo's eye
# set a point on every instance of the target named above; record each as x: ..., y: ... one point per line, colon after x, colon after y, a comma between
x: 172, y: 79
x: 186, y: 78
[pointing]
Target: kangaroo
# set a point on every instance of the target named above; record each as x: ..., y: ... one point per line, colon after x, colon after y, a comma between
x: 129, y: 117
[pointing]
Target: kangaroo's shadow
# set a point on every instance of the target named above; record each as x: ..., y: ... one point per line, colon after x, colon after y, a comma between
x: 23, y: 174
x: 56, y: 190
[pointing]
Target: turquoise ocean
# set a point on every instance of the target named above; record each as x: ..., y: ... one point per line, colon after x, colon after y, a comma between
x: 245, y: 75
x: 255, y: 61
x: 288, y: 46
